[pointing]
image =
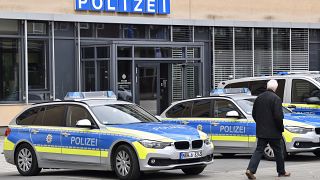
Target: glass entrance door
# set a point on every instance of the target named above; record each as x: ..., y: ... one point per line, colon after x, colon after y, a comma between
x: 148, y: 89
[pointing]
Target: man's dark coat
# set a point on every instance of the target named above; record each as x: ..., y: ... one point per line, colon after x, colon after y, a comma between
x: 268, y: 115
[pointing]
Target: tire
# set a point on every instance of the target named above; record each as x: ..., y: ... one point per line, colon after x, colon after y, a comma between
x: 317, y: 153
x: 26, y: 161
x: 228, y: 155
x: 193, y: 170
x: 269, y: 154
x: 125, y: 163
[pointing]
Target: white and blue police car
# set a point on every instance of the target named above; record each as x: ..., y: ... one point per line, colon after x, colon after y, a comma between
x: 95, y: 131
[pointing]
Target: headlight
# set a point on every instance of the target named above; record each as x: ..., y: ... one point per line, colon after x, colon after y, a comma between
x: 207, y: 141
x: 298, y: 130
x: 155, y: 144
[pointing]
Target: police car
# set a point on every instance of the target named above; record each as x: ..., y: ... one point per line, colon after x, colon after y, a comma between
x: 300, y: 91
x: 95, y: 131
x: 227, y: 119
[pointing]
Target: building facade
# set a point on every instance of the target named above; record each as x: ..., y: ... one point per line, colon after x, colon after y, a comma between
x: 151, y: 52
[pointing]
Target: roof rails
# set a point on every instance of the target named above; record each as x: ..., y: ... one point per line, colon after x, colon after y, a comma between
x: 221, y: 91
x: 301, y: 72
x: 96, y: 95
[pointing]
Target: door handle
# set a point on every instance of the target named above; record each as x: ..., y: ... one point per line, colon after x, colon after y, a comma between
x: 34, y: 131
x: 215, y: 124
x: 184, y: 122
x: 65, y: 134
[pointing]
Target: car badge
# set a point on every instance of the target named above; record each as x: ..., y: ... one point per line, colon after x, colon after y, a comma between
x: 199, y: 127
x: 49, y: 139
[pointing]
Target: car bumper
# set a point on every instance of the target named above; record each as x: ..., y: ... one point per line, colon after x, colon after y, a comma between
x: 9, y: 156
x: 169, y: 158
x: 309, y: 142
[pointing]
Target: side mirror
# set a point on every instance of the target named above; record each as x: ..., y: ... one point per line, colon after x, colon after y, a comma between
x: 312, y: 100
x: 84, y: 123
x: 232, y: 114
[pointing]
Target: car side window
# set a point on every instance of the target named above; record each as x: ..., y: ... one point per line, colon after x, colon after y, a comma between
x: 180, y: 110
x: 222, y: 107
x: 302, y: 89
x: 238, y: 85
x: 76, y: 113
x: 54, y: 115
x: 201, y: 108
x: 30, y: 117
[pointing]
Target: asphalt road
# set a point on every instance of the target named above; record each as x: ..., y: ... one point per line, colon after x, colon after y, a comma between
x: 305, y: 166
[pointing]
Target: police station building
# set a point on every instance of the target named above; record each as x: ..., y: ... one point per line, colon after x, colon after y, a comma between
x: 151, y: 52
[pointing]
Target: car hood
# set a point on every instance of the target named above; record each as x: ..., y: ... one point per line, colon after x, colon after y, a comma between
x: 158, y: 131
x: 305, y: 120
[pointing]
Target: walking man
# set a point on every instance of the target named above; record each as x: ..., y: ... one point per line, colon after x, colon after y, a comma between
x: 268, y: 115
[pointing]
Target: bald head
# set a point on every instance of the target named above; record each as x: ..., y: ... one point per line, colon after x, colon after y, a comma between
x: 272, y: 85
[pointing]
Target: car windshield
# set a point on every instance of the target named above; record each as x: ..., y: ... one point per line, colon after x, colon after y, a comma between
x: 115, y: 114
x: 247, y: 105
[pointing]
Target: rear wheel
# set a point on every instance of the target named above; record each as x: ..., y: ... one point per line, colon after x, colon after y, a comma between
x: 26, y: 161
x: 193, y: 170
x: 125, y: 163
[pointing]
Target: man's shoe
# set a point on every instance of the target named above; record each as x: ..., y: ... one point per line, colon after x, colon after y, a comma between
x: 286, y: 174
x: 250, y: 175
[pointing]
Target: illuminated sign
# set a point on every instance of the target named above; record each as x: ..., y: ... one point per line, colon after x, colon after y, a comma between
x: 125, y: 6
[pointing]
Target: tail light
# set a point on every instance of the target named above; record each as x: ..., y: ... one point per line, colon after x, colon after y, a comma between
x: 7, y: 132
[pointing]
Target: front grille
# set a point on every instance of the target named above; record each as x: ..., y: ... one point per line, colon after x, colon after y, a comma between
x: 317, y: 130
x: 168, y: 162
x: 197, y: 144
x: 182, y: 145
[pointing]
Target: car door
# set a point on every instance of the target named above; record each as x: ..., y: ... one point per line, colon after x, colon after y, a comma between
x: 45, y: 132
x: 79, y: 145
x: 228, y: 133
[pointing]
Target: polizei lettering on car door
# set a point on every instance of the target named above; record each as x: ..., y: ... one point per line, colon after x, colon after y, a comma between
x: 232, y: 129
x: 93, y: 142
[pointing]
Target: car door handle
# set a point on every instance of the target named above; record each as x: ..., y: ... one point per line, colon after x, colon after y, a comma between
x: 65, y: 134
x: 184, y: 122
x: 215, y: 124
x: 34, y: 131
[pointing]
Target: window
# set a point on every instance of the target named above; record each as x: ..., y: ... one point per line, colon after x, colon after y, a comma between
x: 9, y: 27
x: 76, y: 113
x: 38, y: 64
x: 302, y: 89
x: 180, y: 110
x: 238, y: 85
x: 54, y: 115
x: 134, y: 31
x: 9, y: 68
x: 108, y: 30
x: 258, y: 87
x: 30, y: 117
x: 86, y: 30
x: 64, y: 29
x: 153, y: 52
x: 37, y: 28
x: 201, y: 108
x: 159, y: 32
x: 222, y: 107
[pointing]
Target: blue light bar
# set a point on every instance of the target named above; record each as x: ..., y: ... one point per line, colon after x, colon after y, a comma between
x: 221, y: 91
x: 283, y: 73
x: 90, y: 95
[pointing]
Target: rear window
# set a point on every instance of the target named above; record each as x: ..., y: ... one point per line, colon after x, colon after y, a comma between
x: 180, y: 110
x: 30, y: 117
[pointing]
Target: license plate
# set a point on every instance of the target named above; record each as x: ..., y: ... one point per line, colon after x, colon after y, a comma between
x: 190, y: 155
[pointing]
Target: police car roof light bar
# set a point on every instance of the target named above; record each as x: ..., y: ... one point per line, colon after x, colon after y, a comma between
x: 221, y: 91
x: 107, y: 95
x: 301, y: 72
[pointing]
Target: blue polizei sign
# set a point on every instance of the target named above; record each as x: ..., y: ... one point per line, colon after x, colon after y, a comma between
x: 125, y: 6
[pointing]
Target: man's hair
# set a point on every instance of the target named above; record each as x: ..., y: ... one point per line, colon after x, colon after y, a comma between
x: 272, y: 85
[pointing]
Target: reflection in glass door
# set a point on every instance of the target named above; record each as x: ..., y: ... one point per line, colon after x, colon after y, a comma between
x: 148, y: 92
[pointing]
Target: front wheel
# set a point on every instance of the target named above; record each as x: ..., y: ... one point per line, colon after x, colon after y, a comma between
x: 193, y: 170
x: 125, y: 163
x: 26, y: 161
x: 268, y: 153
